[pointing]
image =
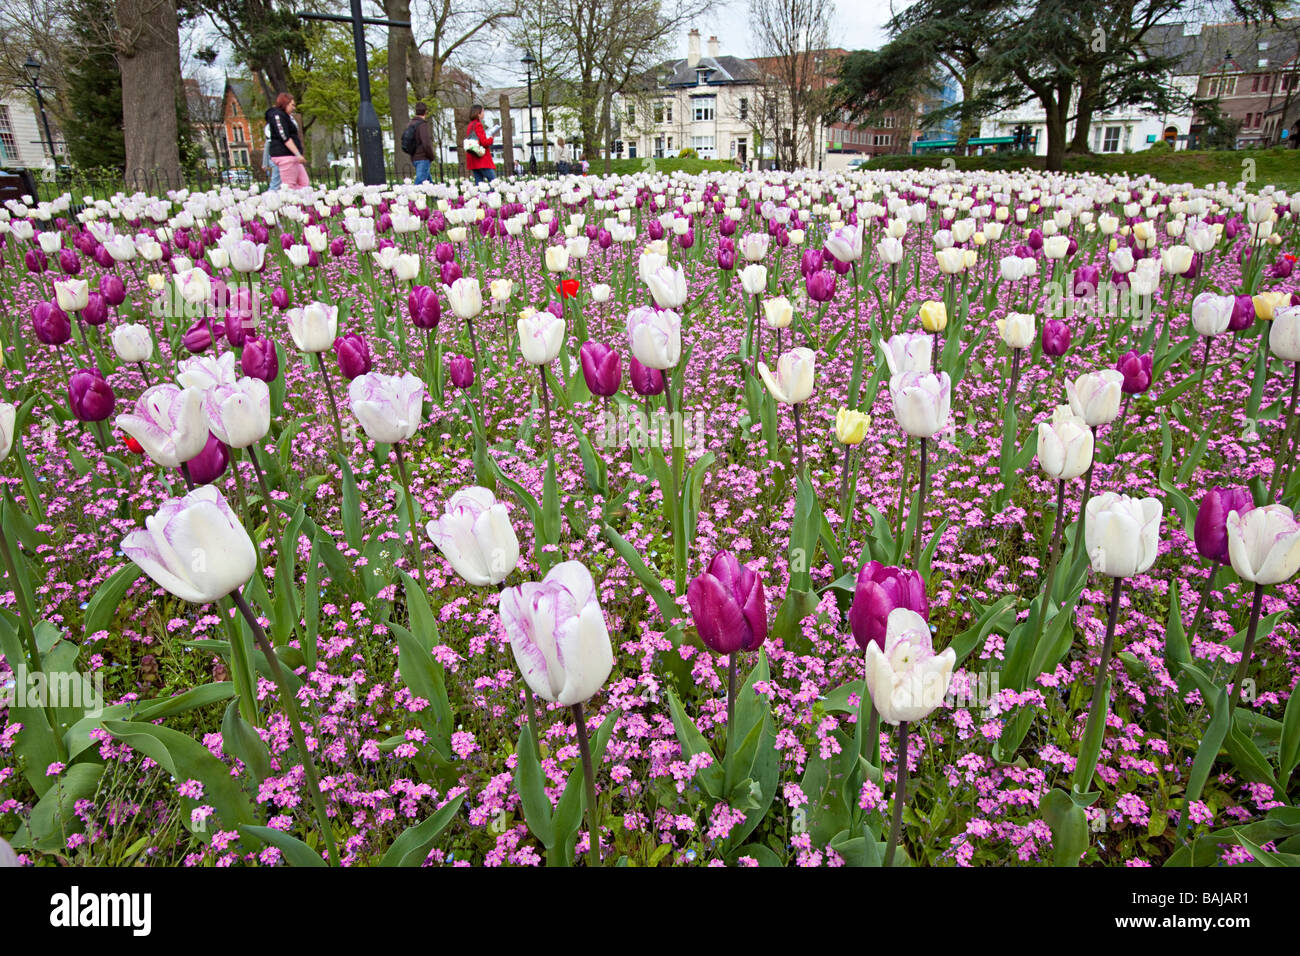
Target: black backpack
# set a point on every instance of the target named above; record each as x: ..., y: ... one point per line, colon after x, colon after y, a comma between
x: 409, y: 139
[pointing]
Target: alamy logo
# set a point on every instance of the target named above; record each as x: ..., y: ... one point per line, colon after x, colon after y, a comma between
x: 54, y: 689
x: 77, y: 909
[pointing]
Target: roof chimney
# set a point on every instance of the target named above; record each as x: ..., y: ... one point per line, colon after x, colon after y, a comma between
x: 693, y: 48
x: 713, y: 47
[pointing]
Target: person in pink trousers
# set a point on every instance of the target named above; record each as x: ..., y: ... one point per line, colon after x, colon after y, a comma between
x: 286, y: 143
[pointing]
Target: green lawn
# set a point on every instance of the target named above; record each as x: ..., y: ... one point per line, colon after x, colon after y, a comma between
x: 1278, y: 166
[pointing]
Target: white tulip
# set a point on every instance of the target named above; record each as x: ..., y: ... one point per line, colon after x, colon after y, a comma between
x: 474, y: 534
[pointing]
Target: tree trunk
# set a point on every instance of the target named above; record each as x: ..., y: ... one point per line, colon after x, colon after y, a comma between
x: 609, y: 131
x: 399, y: 108
x: 967, y: 127
x: 1055, y: 112
x: 149, y: 58
x: 1083, y: 116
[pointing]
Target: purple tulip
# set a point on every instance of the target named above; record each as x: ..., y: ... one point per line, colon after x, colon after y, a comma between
x: 645, y: 381
x: 601, y: 367
x: 210, y: 464
x: 450, y: 273
x: 1072, y: 247
x: 555, y: 308
x: 811, y: 261
x: 686, y: 239
x: 90, y: 397
x: 113, y: 290
x: 1086, y: 281
x: 1283, y: 268
x: 821, y: 286
x: 198, y: 337
x: 444, y: 252
x: 353, y: 355
x: 462, y: 371
x: 1211, y: 529
x: 879, y: 591
x: 655, y: 230
x: 1243, y: 314
x: 280, y: 297
x: 726, y: 259
x: 96, y: 310
x: 423, y: 307
x: 604, y: 238
x: 338, y: 246
x: 102, y: 258
x: 259, y: 359
x: 727, y: 227
x: 1137, y: 372
x: 1056, y: 338
x: 69, y: 262
x: 35, y: 260
x: 286, y: 240
x: 1035, y: 240
x: 51, y: 323
x: 729, y: 606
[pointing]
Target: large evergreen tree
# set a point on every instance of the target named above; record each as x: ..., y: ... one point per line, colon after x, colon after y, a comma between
x: 94, y: 129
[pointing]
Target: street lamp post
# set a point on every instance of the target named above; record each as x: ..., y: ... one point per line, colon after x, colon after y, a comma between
x: 33, y: 68
x: 528, y: 62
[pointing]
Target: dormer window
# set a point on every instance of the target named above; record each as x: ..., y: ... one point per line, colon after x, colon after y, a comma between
x: 701, y: 77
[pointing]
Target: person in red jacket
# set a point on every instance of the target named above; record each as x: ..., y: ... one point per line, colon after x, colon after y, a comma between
x: 482, y: 167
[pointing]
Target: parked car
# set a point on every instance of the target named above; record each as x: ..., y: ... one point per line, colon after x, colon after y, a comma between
x: 236, y: 177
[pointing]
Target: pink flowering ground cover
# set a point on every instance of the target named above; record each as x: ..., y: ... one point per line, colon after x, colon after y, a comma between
x: 849, y: 560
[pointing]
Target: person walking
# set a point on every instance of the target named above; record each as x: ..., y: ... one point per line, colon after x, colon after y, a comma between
x: 479, y: 162
x: 563, y: 157
x: 272, y: 170
x: 422, y: 154
x: 286, y: 143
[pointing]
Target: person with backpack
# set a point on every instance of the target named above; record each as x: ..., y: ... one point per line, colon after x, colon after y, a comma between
x: 286, y: 143
x: 417, y: 142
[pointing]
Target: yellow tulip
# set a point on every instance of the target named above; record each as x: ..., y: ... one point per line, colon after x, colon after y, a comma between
x: 934, y: 316
x: 851, y: 426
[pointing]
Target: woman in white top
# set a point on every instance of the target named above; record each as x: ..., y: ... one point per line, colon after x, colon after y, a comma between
x: 563, y: 157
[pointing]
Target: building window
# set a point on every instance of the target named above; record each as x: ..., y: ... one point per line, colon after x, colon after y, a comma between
x: 670, y: 144
x: 657, y: 112
x: 1288, y: 81
x: 550, y: 126
x: 705, y: 107
x: 659, y: 147
x: 8, y: 142
x: 1111, y: 142
x: 701, y: 77
x: 889, y: 122
x: 631, y: 114
x: 702, y: 144
x: 1223, y: 86
x: 744, y: 108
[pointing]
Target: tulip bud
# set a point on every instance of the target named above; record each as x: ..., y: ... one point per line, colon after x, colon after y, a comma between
x: 90, y: 397
x: 753, y: 279
x: 260, y: 360
x: 1065, y: 445
x: 50, y: 323
x: 1122, y: 534
x: 1056, y: 338
x: 934, y: 316
x: 601, y: 368
x: 194, y: 547
x: 558, y: 634
x: 1211, y: 529
x: 474, y: 534
x: 423, y: 307
x: 655, y: 337
x: 1264, y: 544
x: 907, y: 680
x: 1136, y: 370
x: 728, y: 606
x: 1095, y: 396
x: 461, y: 370
x: 645, y: 380
x: 851, y: 426
x: 209, y: 464
x: 1017, y: 330
x: 879, y: 591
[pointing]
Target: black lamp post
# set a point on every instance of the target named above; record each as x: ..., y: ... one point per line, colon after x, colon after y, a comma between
x: 529, y: 62
x: 33, y: 68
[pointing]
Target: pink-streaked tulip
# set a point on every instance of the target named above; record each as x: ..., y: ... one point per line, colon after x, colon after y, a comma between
x: 906, y: 678
x: 879, y: 590
x: 389, y: 407
x: 238, y: 414
x: 90, y: 397
x: 558, y: 634
x: 1095, y: 396
x: 1264, y: 544
x: 1211, y: 529
x: 169, y: 423
x: 474, y: 534
x: 194, y: 547
x: 922, y: 402
x: 655, y: 337
x: 729, y: 606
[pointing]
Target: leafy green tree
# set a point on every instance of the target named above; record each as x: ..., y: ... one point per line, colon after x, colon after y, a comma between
x: 333, y: 98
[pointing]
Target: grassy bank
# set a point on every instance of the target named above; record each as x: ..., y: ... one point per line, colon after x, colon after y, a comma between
x: 1278, y: 166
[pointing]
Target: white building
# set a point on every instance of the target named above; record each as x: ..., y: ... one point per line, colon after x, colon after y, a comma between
x: 22, y: 137
x: 701, y: 102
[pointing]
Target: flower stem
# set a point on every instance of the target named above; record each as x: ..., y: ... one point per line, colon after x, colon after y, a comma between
x: 266, y: 491
x: 417, y: 558
x: 295, y: 724
x: 1201, y: 605
x: 334, y: 407
x: 1083, y: 502
x: 1097, y: 712
x: 900, y: 795
x: 920, y: 504
x: 1288, y: 424
x: 589, y: 779
x: 1256, y: 606
x: 798, y: 441
x: 731, y: 700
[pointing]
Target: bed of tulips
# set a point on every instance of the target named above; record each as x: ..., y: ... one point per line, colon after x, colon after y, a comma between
x: 871, y: 519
